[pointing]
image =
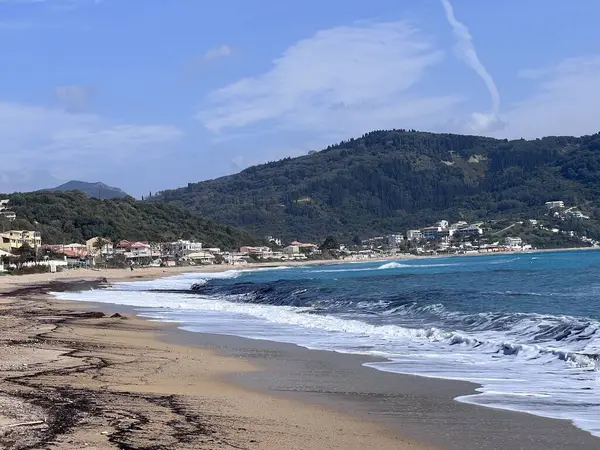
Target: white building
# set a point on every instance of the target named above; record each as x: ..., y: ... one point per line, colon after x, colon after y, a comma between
x: 291, y: 250
x: 577, y: 215
x: 513, y: 242
x: 470, y: 230
x: 414, y: 235
x: 5, y: 212
x: 183, y: 248
x: 394, y: 240
x: 257, y: 252
x: 443, y: 224
x: 274, y: 240
x: 459, y: 224
x: 555, y: 204
x: 202, y: 257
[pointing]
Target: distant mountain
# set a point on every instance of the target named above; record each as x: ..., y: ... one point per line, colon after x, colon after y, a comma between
x: 388, y: 181
x: 94, y: 190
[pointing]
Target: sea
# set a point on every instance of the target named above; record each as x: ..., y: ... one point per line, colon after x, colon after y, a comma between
x: 525, y: 328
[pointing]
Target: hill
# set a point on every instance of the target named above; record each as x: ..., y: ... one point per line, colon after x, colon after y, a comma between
x: 64, y: 217
x: 387, y: 181
x: 93, y: 190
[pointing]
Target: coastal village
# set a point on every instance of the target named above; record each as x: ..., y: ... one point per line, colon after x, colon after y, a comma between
x: 441, y: 238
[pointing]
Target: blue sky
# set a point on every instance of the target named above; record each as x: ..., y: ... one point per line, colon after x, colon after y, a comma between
x: 153, y: 94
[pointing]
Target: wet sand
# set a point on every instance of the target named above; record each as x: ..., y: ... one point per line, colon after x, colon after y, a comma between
x: 418, y: 408
x: 73, y: 378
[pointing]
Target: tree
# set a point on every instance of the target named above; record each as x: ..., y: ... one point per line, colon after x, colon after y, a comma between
x: 330, y: 243
x: 25, y: 253
x: 356, y: 240
x: 99, y: 244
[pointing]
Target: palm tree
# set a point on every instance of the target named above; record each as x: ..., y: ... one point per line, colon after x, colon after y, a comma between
x: 99, y: 245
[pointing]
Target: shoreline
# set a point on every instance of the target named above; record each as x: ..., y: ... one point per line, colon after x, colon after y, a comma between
x: 391, y: 410
x: 8, y: 282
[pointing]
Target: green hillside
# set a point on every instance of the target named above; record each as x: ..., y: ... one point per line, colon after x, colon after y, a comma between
x: 64, y: 217
x: 387, y: 181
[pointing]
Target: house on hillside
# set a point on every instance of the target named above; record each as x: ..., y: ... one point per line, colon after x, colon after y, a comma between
x: 14, y: 239
x: 5, y: 212
x: 555, y: 204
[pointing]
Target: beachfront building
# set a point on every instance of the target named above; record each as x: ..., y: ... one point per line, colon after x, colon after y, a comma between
x: 14, y: 239
x: 513, y: 242
x: 136, y: 250
x: 107, y: 248
x: 394, y: 240
x: 74, y: 250
x: 431, y: 233
x: 183, y: 248
x: 291, y: 250
x: 202, y: 257
x: 257, y: 252
x: 306, y: 248
x: 555, y: 204
x: 414, y: 235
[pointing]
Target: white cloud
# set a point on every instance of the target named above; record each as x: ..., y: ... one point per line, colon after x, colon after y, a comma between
x: 217, y: 52
x: 565, y: 101
x: 345, y: 79
x: 35, y: 138
x: 465, y: 49
x: 73, y: 98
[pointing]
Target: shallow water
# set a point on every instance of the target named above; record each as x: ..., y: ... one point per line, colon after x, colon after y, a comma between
x: 525, y: 327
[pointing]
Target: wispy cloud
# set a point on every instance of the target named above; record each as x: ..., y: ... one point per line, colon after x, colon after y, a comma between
x: 564, y: 100
x: 345, y: 79
x: 73, y: 98
x: 221, y: 51
x: 465, y: 49
x: 37, y: 137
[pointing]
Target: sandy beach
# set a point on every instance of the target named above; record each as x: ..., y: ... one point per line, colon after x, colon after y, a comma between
x: 73, y: 379
x: 78, y: 376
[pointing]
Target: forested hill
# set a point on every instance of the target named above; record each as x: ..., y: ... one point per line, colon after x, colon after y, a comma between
x: 66, y: 217
x: 387, y: 181
x: 97, y: 190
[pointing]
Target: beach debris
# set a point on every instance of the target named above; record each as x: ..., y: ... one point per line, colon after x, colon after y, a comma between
x: 26, y: 424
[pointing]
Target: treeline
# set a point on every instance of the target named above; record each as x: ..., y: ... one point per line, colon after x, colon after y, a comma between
x: 65, y: 217
x: 387, y: 181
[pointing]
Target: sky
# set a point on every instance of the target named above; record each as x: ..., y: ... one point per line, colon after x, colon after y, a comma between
x: 148, y: 95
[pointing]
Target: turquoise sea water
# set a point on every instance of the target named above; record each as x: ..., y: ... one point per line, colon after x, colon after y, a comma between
x: 526, y: 327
